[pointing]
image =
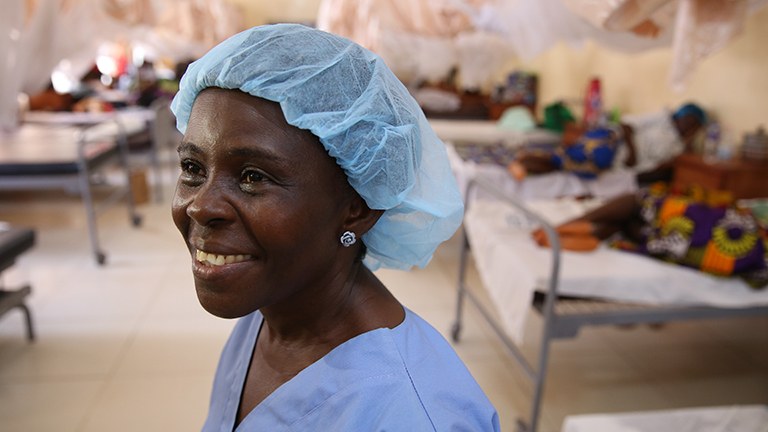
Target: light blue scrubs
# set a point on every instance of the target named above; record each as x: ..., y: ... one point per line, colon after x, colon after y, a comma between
x: 403, y: 379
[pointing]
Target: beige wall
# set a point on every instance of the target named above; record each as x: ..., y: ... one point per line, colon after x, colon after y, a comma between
x: 732, y: 83
x: 262, y: 12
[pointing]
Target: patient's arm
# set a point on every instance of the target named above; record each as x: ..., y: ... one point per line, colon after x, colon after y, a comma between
x: 536, y: 163
x: 663, y: 172
x: 540, y: 163
x: 629, y: 141
x: 530, y: 163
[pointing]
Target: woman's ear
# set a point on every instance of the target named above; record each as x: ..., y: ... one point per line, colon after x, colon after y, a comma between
x: 361, y: 218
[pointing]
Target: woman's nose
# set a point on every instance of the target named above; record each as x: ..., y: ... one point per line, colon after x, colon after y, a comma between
x: 210, y: 205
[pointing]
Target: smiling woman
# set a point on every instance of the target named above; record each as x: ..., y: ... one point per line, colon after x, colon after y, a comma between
x: 306, y: 165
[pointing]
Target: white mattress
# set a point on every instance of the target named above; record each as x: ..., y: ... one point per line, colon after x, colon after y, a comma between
x: 488, y: 132
x: 512, y: 267
x: 748, y: 418
x: 133, y: 120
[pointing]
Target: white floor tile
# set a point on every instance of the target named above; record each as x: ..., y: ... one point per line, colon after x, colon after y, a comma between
x: 158, y: 404
x: 174, y: 347
x: 47, y: 406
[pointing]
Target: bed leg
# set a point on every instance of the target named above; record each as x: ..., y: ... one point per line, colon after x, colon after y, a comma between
x: 154, y: 155
x: 520, y: 426
x: 90, y: 211
x: 28, y: 320
x: 461, y: 287
x: 122, y: 143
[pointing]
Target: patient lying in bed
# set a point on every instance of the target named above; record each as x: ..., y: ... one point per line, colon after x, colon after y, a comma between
x: 647, y: 144
x: 702, y: 231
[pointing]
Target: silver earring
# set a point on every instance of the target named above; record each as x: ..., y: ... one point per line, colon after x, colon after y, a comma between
x: 348, y: 239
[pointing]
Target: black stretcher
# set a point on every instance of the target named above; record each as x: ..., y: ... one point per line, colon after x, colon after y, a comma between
x: 13, y: 243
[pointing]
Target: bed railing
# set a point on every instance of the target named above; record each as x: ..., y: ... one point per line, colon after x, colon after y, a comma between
x: 535, y: 373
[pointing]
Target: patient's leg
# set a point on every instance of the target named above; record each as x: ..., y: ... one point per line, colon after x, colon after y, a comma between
x: 574, y: 236
x: 615, y: 212
x: 586, y: 232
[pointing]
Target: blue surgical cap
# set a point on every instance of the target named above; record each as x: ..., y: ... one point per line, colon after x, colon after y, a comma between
x: 363, y: 115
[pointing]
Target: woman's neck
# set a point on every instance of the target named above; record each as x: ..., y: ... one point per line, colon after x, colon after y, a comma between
x: 330, y: 316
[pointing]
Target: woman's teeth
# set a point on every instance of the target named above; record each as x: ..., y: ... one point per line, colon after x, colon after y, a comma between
x: 218, y: 260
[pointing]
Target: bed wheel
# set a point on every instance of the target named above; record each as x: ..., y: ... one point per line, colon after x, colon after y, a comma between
x: 136, y: 220
x: 101, y: 258
x: 455, y: 332
x: 520, y: 426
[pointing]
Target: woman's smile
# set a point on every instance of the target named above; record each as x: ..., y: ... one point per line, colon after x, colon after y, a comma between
x: 219, y: 260
x: 219, y: 267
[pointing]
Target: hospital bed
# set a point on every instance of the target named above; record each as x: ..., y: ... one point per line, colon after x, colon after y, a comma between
x: 572, y: 290
x: 66, y: 157
x: 147, y: 130
x: 481, y: 149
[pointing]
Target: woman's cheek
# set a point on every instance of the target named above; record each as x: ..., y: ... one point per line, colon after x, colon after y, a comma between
x: 179, y: 209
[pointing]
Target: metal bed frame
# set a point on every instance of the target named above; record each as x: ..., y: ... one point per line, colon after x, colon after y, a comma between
x: 563, y: 317
x: 161, y: 127
x: 77, y: 177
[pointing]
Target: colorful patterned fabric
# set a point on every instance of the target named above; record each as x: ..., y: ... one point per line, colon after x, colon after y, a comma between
x: 719, y: 239
x: 590, y: 155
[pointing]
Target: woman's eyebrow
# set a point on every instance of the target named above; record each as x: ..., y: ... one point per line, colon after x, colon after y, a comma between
x: 255, y: 153
x: 236, y: 152
x: 188, y: 147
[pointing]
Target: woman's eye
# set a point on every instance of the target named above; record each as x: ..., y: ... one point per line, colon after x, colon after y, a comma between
x: 252, y: 177
x: 191, y: 168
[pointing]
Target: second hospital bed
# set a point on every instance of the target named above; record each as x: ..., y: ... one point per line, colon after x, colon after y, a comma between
x: 66, y: 157
x: 572, y: 290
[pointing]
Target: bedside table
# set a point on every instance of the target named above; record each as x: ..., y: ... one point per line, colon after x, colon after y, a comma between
x: 743, y: 178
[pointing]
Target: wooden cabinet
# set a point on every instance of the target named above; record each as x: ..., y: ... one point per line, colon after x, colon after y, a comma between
x: 744, y: 179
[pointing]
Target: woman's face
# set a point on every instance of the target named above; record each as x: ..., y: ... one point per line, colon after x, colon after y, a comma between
x: 259, y: 203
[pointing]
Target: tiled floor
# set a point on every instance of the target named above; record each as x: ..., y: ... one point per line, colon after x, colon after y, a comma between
x: 126, y: 347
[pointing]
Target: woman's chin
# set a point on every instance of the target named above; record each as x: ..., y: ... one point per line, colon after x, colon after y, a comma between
x: 220, y: 307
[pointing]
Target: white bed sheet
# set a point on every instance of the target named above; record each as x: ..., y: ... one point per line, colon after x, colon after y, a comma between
x: 747, y: 418
x: 512, y: 267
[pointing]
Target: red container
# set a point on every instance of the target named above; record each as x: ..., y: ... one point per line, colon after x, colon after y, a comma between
x: 593, y: 104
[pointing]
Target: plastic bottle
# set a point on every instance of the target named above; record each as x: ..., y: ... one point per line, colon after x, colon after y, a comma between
x: 593, y: 104
x: 712, y: 142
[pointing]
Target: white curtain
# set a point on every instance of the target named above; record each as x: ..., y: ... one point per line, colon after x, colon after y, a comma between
x: 414, y: 44
x: 11, y: 26
x: 35, y: 35
x: 415, y: 38
x: 698, y: 28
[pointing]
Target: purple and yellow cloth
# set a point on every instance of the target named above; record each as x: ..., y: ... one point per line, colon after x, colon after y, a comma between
x: 704, y: 233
